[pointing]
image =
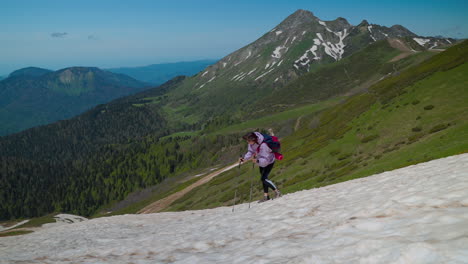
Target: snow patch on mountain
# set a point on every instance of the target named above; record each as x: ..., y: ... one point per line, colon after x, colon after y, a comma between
x: 278, y: 32
x: 294, y: 38
x: 421, y: 41
x: 335, y: 50
x: 304, y: 59
x: 319, y: 36
x: 250, y: 72
x: 277, y: 52
x: 248, y: 56
x: 235, y: 76
x: 239, y: 76
x: 263, y: 75
x: 417, y: 214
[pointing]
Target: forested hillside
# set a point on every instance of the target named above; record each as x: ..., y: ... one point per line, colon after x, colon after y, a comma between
x: 33, y: 96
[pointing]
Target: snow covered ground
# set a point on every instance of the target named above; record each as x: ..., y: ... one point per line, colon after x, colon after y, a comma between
x: 417, y: 214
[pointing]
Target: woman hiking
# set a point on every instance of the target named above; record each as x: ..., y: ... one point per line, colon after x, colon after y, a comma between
x: 262, y: 155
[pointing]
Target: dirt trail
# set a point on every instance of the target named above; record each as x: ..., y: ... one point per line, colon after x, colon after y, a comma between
x: 165, y: 202
x: 398, y: 44
x: 298, y: 122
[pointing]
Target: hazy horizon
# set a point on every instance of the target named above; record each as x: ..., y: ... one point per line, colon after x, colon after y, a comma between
x: 107, y: 34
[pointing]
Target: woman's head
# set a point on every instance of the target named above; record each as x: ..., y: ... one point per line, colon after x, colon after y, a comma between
x: 251, y: 137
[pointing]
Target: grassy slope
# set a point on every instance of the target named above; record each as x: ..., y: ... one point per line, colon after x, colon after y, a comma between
x: 414, y: 117
x: 192, y: 104
x: 173, y: 185
x: 300, y: 161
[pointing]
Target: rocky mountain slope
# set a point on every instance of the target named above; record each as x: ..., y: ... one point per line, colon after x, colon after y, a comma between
x: 300, y: 44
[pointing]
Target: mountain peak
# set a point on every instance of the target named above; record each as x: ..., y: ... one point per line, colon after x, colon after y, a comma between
x: 399, y: 29
x: 80, y: 69
x: 302, y: 12
x: 29, y: 72
x: 297, y: 18
x: 363, y: 23
x: 342, y: 19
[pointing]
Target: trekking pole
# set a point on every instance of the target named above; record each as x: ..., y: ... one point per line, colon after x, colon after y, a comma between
x: 251, y: 183
x: 235, y: 193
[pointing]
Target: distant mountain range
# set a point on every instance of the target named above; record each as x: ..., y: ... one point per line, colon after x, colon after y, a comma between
x: 34, y: 96
x: 157, y: 74
x: 302, y: 43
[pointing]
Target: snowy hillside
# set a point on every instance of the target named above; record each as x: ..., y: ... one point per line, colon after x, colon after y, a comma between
x: 298, y: 43
x: 417, y: 214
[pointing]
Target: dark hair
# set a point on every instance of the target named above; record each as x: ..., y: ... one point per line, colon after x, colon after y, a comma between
x: 251, y: 136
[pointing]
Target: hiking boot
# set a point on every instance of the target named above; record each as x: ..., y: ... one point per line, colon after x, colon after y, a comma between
x: 265, y: 198
x: 278, y: 194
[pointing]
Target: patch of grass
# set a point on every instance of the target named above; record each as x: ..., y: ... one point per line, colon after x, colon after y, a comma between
x: 415, y: 137
x: 438, y: 128
x: 428, y: 107
x: 15, y: 233
x: 39, y: 221
x: 344, y: 156
x: 369, y: 138
x: 282, y: 116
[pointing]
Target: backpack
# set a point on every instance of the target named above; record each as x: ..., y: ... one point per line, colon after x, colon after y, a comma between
x: 274, y: 144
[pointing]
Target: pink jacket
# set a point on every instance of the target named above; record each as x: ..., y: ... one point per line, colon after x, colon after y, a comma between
x: 265, y: 155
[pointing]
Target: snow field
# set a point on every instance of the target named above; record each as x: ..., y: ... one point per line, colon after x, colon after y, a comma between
x: 421, y: 41
x: 417, y: 214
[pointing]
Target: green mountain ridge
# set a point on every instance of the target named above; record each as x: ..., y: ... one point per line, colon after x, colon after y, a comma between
x: 300, y: 44
x: 34, y: 96
x: 29, y: 72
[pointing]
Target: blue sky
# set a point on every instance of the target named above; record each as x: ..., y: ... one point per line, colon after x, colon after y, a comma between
x: 56, y: 34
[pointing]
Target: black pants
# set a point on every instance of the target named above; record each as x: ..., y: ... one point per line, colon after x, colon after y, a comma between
x: 265, y: 171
